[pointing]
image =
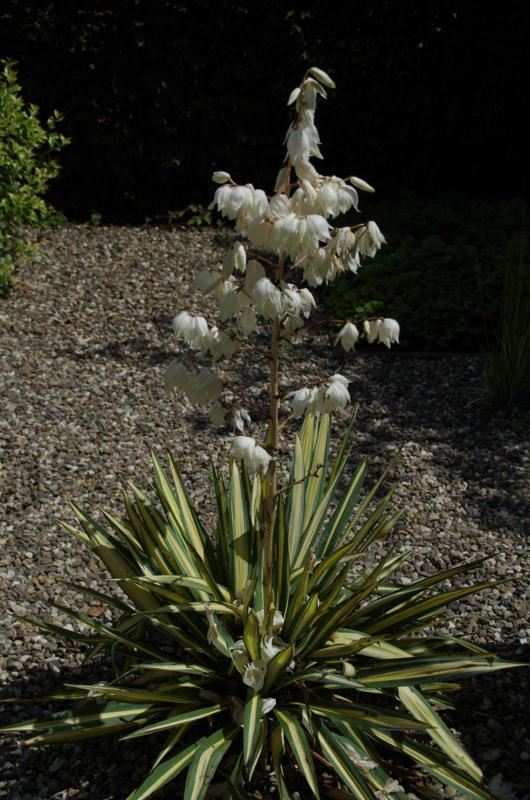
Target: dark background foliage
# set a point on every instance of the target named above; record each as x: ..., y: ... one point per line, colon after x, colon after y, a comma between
x: 430, y: 106
x: 157, y: 93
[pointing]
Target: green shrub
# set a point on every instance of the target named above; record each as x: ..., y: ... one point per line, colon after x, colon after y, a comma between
x: 26, y: 168
x: 343, y: 678
x: 427, y: 277
x: 507, y: 352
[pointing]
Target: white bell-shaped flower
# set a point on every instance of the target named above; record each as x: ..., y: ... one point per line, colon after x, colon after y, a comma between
x: 389, y: 332
x: 302, y: 400
x: 307, y: 301
x: 336, y: 394
x: 370, y: 239
x: 348, y: 336
x: 255, y: 457
x: 248, y: 321
x: 240, y: 417
x: 371, y: 329
x: 267, y: 299
x: 254, y: 675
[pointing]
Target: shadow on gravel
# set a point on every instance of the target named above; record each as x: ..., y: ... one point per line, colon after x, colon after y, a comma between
x: 493, y: 715
x: 126, y: 350
x: 94, y: 769
x: 470, y: 444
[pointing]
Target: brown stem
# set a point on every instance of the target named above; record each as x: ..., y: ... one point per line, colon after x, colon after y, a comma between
x: 274, y: 445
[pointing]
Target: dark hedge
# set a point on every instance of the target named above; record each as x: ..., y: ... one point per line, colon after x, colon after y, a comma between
x: 158, y: 93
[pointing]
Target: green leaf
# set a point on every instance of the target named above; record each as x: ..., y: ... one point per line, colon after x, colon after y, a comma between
x: 421, y: 709
x: 252, y: 717
x: 434, y: 763
x: 165, y: 772
x: 96, y: 719
x: 277, y: 751
x: 296, y: 497
x: 334, y: 752
x: 361, y: 714
x: 206, y: 760
x: 176, y: 721
x: 251, y: 636
x: 240, y: 547
x: 277, y: 666
x: 281, y: 565
x: 338, y: 527
x: 416, y: 671
x: 299, y: 747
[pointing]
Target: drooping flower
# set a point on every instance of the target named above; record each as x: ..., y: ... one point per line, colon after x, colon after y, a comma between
x: 348, y: 336
x: 229, y: 305
x: 240, y: 416
x: 255, y: 457
x: 336, y: 395
x: 254, y: 675
x: 389, y: 332
x: 277, y: 620
x: 267, y: 299
x: 248, y: 322
x: 371, y: 329
x: 192, y: 329
x: 370, y: 239
x: 302, y: 400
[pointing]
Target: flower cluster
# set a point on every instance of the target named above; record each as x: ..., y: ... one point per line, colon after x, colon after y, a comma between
x: 333, y: 396
x: 285, y: 239
x: 385, y: 331
x: 255, y: 458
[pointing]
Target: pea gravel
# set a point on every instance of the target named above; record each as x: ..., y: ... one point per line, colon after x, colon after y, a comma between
x: 84, y: 340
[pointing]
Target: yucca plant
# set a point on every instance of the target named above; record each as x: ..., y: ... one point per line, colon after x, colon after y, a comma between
x: 267, y: 653
x: 333, y: 674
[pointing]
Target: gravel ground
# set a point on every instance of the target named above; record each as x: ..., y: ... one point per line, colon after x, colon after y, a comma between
x: 85, y: 338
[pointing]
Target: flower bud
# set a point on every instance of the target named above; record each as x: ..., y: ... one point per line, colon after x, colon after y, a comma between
x: 221, y: 177
x: 360, y: 184
x: 322, y: 76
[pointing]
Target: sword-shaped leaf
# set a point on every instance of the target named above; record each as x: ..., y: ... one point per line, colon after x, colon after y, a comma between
x: 435, y: 763
x: 206, y: 761
x: 277, y: 666
x: 363, y: 715
x: 189, y: 717
x: 299, y: 747
x: 421, y: 709
x: 252, y: 717
x: 165, y: 772
x: 277, y: 751
x: 416, y: 671
x: 240, y: 546
x: 334, y: 752
x: 296, y: 497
